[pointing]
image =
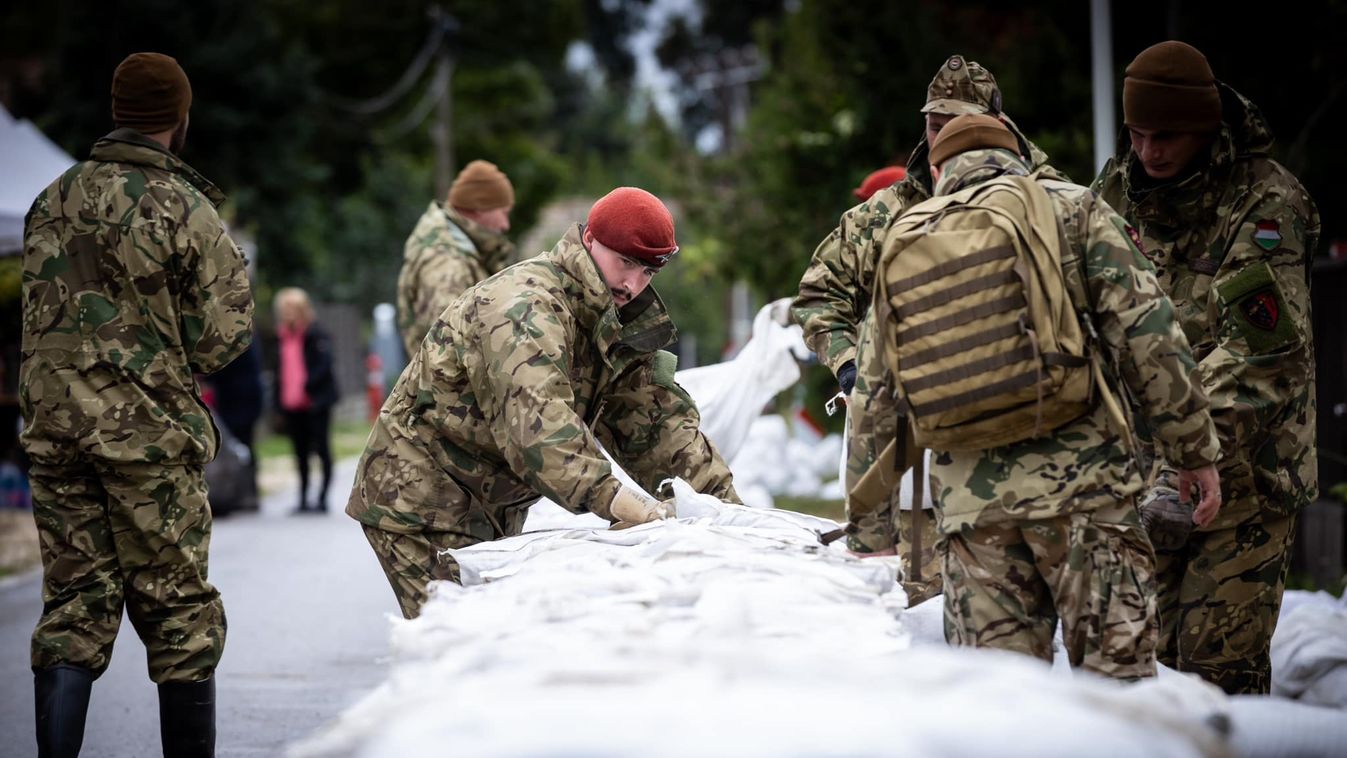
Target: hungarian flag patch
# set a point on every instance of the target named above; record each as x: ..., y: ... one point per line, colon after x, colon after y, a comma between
x: 1262, y: 310
x: 1267, y: 234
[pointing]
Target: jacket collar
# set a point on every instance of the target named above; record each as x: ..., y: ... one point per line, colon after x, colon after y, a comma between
x: 130, y: 146
x: 492, y: 248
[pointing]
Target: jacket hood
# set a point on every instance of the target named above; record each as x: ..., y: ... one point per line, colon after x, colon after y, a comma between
x: 977, y: 166
x: 643, y: 324
x: 493, y: 248
x: 1244, y: 133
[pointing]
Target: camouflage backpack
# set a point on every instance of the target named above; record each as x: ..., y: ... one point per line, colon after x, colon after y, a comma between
x: 981, y: 335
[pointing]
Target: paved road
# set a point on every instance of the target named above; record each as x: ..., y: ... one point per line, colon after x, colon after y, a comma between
x: 307, y: 607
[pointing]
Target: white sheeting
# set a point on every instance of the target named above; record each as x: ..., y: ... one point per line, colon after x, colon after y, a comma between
x: 1309, y: 649
x: 730, y: 395
x: 730, y: 631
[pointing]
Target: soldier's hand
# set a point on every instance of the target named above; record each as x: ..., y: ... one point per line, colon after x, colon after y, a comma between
x: 631, y: 508
x: 1167, y: 521
x: 846, y: 376
x: 1208, y: 484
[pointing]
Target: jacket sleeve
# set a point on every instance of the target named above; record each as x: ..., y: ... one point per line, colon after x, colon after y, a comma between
x: 652, y: 427
x: 521, y: 382
x: 1136, y: 322
x: 1258, y: 365
x: 216, y: 304
x: 835, y: 289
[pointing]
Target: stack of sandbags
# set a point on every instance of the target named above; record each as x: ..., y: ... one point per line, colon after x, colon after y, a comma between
x: 730, y: 631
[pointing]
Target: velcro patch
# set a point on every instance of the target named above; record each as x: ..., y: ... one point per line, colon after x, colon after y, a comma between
x: 1256, y: 306
x: 1206, y: 266
x: 665, y: 364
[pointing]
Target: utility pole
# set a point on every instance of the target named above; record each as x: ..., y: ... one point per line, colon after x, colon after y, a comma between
x: 441, y: 133
x: 1101, y: 55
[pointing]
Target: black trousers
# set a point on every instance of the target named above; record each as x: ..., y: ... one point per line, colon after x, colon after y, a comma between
x: 310, y: 432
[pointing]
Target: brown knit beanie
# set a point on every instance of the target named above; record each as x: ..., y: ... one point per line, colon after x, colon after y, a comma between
x: 150, y: 93
x: 973, y: 131
x: 1170, y: 86
x: 480, y: 186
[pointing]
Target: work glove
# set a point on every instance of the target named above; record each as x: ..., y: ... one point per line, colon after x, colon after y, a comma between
x: 1167, y: 521
x: 846, y: 376
x: 630, y: 509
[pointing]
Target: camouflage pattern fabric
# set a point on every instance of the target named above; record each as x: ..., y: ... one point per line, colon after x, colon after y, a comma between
x: 1242, y: 572
x: 130, y: 286
x: 1084, y: 464
x: 1012, y: 509
x: 412, y: 561
x: 833, y: 306
x: 1232, y: 245
x: 133, y: 535
x: 445, y: 254
x: 511, y: 394
x: 962, y: 86
x: 1007, y: 585
x: 931, y: 583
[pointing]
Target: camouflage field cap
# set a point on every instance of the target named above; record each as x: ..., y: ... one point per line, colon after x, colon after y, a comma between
x: 961, y: 87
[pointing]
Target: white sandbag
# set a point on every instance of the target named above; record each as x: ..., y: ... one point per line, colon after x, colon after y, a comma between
x: 1309, y: 649
x: 730, y: 631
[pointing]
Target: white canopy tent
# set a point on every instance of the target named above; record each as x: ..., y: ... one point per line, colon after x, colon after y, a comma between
x: 28, y: 163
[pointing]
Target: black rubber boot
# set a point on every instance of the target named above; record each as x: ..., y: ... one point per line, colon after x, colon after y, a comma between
x: 61, y: 697
x: 187, y: 719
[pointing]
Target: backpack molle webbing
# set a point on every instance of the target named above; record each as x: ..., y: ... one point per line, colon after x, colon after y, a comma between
x: 986, y: 348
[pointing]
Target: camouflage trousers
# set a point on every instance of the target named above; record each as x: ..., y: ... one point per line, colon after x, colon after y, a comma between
x: 1219, y: 597
x: 133, y: 535
x: 412, y: 561
x: 872, y: 423
x: 1007, y: 585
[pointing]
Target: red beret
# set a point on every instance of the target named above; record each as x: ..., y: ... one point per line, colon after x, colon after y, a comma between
x: 878, y: 180
x: 636, y: 224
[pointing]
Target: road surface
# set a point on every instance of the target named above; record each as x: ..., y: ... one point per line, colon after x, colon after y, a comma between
x: 307, y: 607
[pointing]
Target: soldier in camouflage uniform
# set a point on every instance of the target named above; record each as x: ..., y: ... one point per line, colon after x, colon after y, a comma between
x: 834, y: 302
x: 1047, y: 528
x: 130, y: 286
x: 454, y: 246
x: 514, y: 390
x: 1230, y: 232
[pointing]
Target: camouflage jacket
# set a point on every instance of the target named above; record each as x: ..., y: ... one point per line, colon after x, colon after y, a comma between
x: 445, y: 255
x: 130, y: 286
x: 1232, y: 245
x: 1083, y: 465
x: 510, y: 396
x: 835, y: 291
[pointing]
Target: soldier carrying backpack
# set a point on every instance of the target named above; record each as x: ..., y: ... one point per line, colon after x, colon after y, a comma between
x: 1014, y: 312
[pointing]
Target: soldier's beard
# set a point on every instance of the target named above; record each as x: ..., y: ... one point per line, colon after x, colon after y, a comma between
x: 179, y: 138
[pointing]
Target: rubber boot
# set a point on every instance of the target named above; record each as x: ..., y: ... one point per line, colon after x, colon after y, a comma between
x: 61, y: 697
x: 187, y: 719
